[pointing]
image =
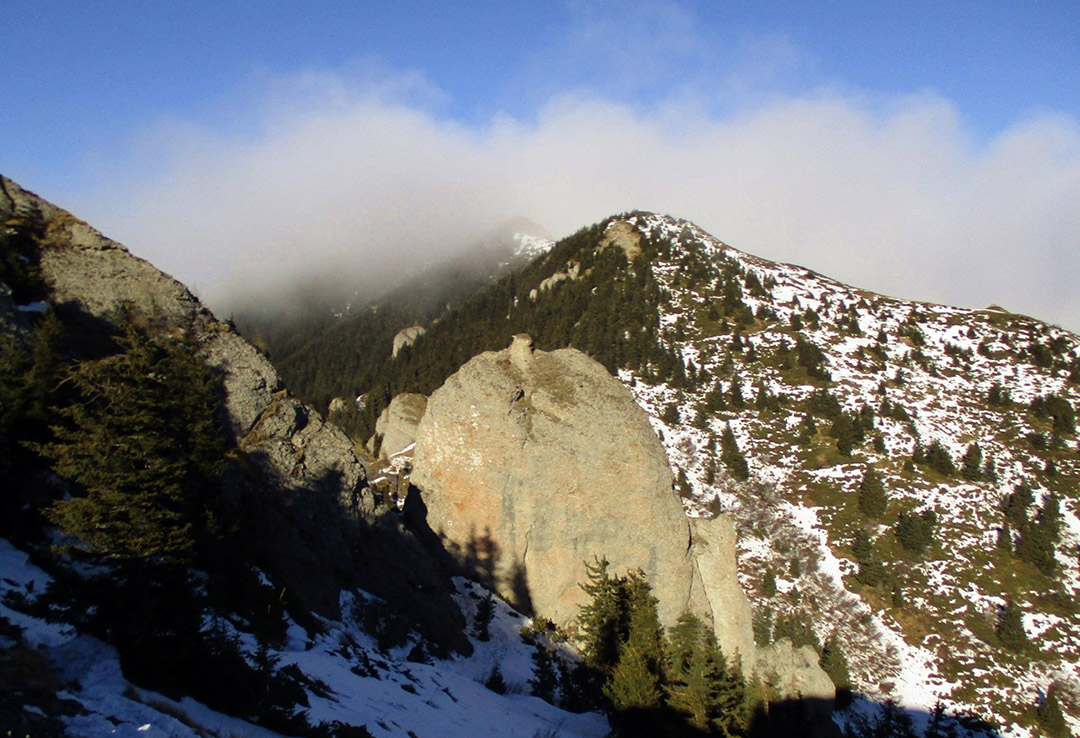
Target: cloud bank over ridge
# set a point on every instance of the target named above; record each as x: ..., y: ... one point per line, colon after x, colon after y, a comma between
x: 890, y: 193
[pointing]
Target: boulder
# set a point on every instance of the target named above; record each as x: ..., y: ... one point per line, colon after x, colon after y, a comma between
x: 798, y: 676
x: 532, y: 463
x: 406, y: 337
x: 397, y: 425
x: 622, y: 235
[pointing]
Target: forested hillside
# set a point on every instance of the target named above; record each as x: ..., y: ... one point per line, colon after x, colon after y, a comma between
x: 905, y: 475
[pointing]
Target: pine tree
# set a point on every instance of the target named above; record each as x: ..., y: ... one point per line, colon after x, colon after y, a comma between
x: 495, y: 681
x: 872, y: 497
x: 862, y: 546
x: 682, y: 641
x: 1016, y: 506
x: 601, y: 617
x: 632, y: 684
x: 940, y: 725
x: 1004, y: 537
x: 972, y: 469
x: 694, y: 687
x: 144, y: 447
x: 1010, y: 627
x: 545, y: 681
x: 635, y: 684
x: 768, y: 583
x: 1049, y: 716
x: 732, y: 457
x: 915, y: 531
x: 485, y: 611
x: 644, y: 633
x: 834, y: 663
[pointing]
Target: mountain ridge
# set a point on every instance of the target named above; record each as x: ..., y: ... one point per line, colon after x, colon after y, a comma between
x: 794, y: 364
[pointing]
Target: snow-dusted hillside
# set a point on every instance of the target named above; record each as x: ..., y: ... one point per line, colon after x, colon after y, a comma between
x: 350, y: 681
x: 927, y: 632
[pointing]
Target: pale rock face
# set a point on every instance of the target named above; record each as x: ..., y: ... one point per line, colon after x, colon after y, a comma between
x: 397, y: 425
x: 621, y: 234
x: 798, y: 674
x: 100, y: 284
x: 406, y: 337
x: 714, y: 555
x: 532, y: 463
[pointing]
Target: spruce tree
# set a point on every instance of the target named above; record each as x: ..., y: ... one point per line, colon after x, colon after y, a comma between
x: 972, y: 463
x: 485, y: 611
x: 601, y: 617
x: 1004, y: 537
x: 144, y: 449
x: 1049, y: 716
x: 834, y: 663
x: 732, y: 457
x: 545, y: 681
x: 1010, y: 627
x: 862, y: 546
x: 872, y: 497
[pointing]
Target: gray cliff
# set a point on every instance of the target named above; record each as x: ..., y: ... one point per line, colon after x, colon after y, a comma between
x: 320, y: 527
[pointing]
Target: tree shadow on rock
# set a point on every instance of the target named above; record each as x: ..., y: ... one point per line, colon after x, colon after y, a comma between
x: 317, y: 540
x: 480, y: 558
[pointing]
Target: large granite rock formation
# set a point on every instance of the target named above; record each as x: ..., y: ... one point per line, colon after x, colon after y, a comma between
x: 714, y: 556
x: 320, y: 527
x: 397, y: 425
x: 532, y: 463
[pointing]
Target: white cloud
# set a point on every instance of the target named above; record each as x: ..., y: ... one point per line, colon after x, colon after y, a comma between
x: 886, y: 193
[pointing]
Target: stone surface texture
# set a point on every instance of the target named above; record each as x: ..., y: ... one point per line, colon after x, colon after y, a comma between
x: 532, y: 463
x: 397, y: 425
x: 714, y: 556
x: 406, y: 337
x: 798, y: 675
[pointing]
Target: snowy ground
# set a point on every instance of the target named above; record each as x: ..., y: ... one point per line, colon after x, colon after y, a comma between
x: 441, y: 698
x: 937, y: 362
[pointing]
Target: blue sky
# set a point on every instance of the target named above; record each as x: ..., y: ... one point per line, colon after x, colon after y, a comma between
x: 138, y: 115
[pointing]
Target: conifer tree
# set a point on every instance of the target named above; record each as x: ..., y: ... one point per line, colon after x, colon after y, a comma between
x: 495, y: 680
x: 872, y: 497
x: 1004, y: 537
x: 694, y: 688
x: 545, y: 680
x: 1016, y: 506
x: 485, y: 611
x: 915, y: 531
x: 1049, y: 716
x: 940, y: 726
x: 732, y: 457
x: 834, y: 663
x: 144, y: 447
x: 862, y: 546
x: 972, y: 461
x: 1010, y: 627
x: 601, y: 617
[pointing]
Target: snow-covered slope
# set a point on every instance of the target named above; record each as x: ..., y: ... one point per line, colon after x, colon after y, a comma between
x: 927, y: 633
x: 351, y: 682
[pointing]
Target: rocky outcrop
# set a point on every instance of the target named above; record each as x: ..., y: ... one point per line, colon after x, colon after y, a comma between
x: 571, y: 273
x: 532, y: 463
x: 713, y: 550
x: 397, y: 425
x: 798, y: 676
x: 622, y: 235
x: 406, y: 337
x: 320, y: 527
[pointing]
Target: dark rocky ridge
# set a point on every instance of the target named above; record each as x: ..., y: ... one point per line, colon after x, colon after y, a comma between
x: 319, y: 526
